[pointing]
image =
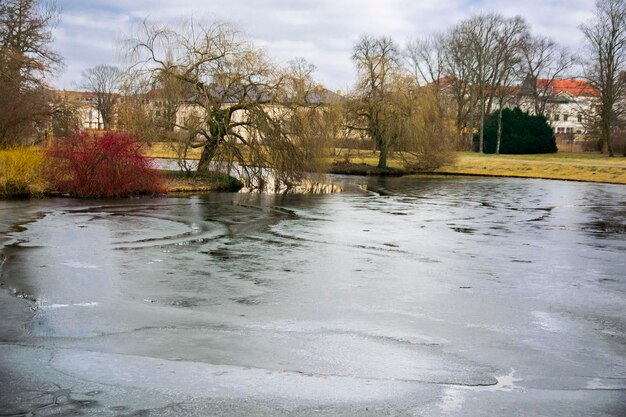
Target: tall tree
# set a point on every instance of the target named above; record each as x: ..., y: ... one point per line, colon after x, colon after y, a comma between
x: 377, y: 61
x: 544, y: 62
x: 433, y: 62
x: 605, y: 35
x: 426, y: 58
x: 459, y: 69
x: 395, y: 111
x: 512, y: 35
x: 104, y: 81
x: 478, y: 35
x: 25, y: 60
x: 239, y: 105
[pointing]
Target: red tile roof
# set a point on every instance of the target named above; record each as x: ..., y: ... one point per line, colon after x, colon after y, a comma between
x: 576, y: 88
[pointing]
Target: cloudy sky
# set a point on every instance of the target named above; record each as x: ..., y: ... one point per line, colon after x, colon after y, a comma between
x: 321, y: 31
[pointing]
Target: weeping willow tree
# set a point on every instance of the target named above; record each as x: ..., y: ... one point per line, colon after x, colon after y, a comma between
x: 398, y: 115
x: 240, y: 108
x: 423, y: 124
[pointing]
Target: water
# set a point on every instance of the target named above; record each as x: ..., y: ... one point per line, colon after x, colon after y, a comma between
x: 416, y: 297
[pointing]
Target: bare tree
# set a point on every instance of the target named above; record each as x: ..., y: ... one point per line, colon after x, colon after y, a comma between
x: 426, y: 58
x: 299, y: 80
x: 104, y: 81
x: 507, y: 65
x: 606, y: 40
x: 25, y: 60
x: 544, y: 62
x: 478, y: 35
x: 394, y: 110
x: 433, y: 61
x: 238, y: 103
x: 25, y: 38
x: 378, y: 62
x: 422, y: 124
x: 459, y: 83
x: 483, y: 54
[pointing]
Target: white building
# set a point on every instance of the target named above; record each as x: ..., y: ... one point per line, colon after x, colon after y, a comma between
x: 568, y: 105
x: 85, y: 104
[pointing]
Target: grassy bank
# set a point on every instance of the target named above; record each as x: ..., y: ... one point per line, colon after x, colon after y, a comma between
x: 561, y: 166
x: 21, y: 176
x: 591, y: 167
x: 178, y: 182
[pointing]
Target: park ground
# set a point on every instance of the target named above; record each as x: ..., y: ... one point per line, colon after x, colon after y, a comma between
x: 592, y: 167
x: 20, y: 176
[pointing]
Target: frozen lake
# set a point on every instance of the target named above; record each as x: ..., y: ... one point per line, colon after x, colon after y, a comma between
x: 400, y: 297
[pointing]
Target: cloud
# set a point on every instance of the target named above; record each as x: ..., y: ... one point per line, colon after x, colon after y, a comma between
x: 321, y: 31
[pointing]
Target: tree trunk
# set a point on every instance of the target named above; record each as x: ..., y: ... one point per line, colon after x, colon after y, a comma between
x: 382, y: 159
x: 605, y: 136
x: 208, y: 152
x: 472, y: 123
x: 482, y: 126
x: 499, y: 130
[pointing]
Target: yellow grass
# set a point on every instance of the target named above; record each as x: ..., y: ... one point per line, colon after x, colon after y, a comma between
x: 165, y: 150
x: 359, y: 156
x: 563, y: 166
x: 569, y: 157
x: 20, y: 172
x: 592, y: 167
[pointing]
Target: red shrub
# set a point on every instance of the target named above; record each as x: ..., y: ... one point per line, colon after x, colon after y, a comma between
x: 107, y: 165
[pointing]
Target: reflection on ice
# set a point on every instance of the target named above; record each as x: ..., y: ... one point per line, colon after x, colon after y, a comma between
x: 79, y: 265
x: 45, y: 306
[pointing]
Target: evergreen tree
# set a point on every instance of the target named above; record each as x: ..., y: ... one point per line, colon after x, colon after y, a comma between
x: 521, y: 133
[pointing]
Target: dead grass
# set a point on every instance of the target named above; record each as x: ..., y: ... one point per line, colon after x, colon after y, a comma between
x: 165, y: 150
x: 562, y: 166
x: 568, y: 157
x: 178, y: 182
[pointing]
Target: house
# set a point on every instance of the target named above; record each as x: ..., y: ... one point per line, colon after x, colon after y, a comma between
x: 569, y: 105
x: 85, y: 105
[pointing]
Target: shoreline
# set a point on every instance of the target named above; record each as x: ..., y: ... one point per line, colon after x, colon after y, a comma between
x: 563, y: 166
x: 589, y: 168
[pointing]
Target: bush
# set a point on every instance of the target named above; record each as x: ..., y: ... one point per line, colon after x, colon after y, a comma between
x: 521, y: 133
x: 20, y: 173
x: 107, y: 165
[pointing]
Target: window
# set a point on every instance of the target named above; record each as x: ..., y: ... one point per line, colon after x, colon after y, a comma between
x: 565, y: 117
x: 569, y: 130
x: 559, y: 130
x: 580, y: 118
x: 579, y: 131
x: 158, y: 113
x: 556, y: 117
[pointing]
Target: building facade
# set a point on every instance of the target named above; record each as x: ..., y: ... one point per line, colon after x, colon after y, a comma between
x: 85, y: 105
x: 568, y: 104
